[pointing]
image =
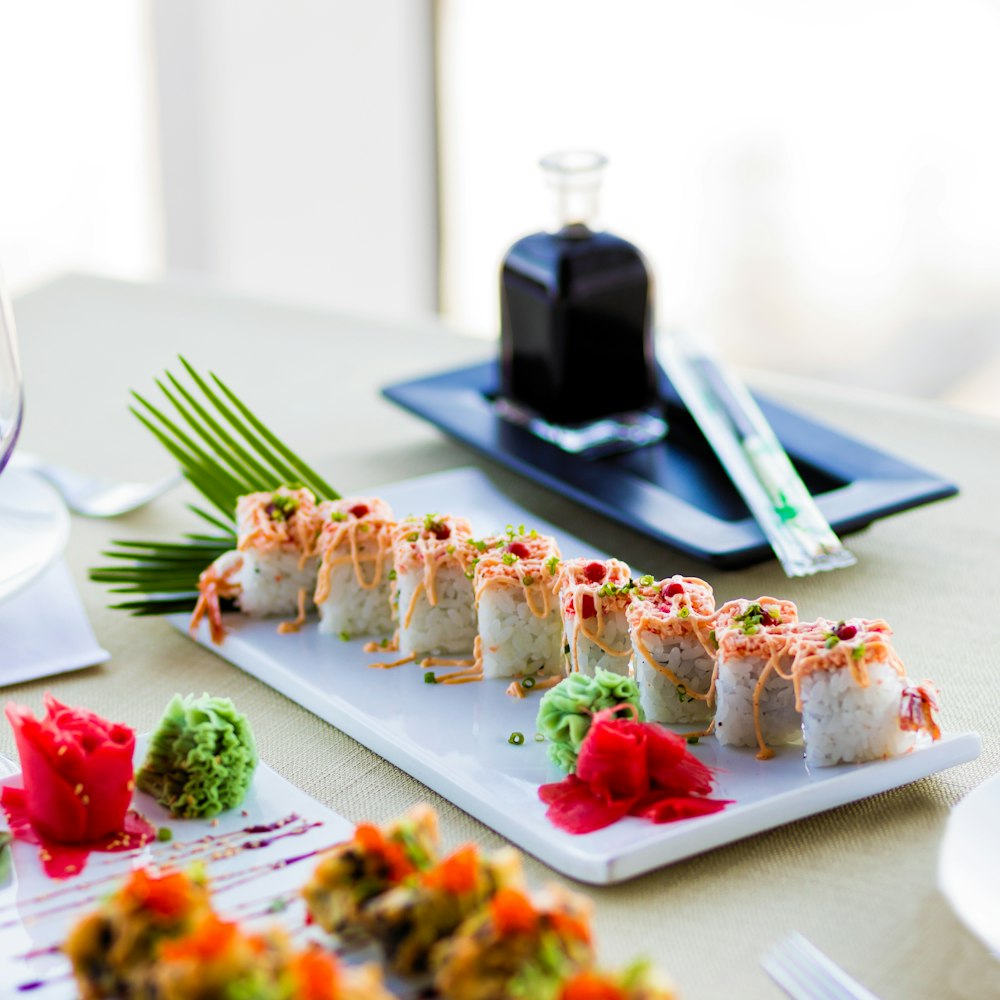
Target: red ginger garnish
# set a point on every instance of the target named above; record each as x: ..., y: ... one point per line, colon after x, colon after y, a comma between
x: 513, y: 912
x: 167, y: 895
x: 591, y: 986
x: 211, y: 938
x: 458, y: 873
x: 373, y: 841
x: 629, y: 768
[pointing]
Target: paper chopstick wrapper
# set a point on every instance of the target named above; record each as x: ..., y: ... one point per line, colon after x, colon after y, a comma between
x: 754, y: 459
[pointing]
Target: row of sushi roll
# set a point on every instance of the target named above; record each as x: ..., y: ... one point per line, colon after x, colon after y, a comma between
x: 749, y: 669
x: 463, y: 925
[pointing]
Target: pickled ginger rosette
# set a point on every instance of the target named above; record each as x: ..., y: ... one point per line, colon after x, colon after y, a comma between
x: 77, y: 774
x: 630, y: 768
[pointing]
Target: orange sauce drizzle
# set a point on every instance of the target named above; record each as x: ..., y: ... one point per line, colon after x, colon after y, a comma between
x: 293, y: 626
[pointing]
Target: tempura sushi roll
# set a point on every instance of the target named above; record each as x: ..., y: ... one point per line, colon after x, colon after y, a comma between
x: 114, y: 948
x: 411, y: 919
x: 373, y: 861
x: 857, y: 703
x: 432, y: 591
x: 593, y: 597
x: 515, y: 947
x: 755, y: 695
x: 353, y: 584
x: 670, y: 622
x: 277, y: 535
x: 520, y: 627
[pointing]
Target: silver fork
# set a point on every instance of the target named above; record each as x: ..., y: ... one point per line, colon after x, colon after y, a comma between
x: 91, y: 496
x: 805, y: 973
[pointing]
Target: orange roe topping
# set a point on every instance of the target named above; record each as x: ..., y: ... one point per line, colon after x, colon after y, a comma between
x: 457, y: 874
x: 373, y: 841
x: 570, y: 925
x: 513, y: 913
x: 212, y: 938
x: 316, y: 975
x: 591, y: 986
x: 167, y: 895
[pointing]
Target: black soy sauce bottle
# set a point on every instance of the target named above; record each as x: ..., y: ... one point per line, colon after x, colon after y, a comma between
x: 576, y: 316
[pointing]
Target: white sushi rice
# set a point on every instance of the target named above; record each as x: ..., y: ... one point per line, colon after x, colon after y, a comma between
x: 448, y: 626
x: 685, y: 657
x: 350, y: 609
x: 587, y: 656
x: 270, y: 582
x: 843, y: 721
x: 516, y: 642
x: 734, y: 716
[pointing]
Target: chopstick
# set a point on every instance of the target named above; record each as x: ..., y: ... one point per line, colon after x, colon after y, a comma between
x: 753, y: 458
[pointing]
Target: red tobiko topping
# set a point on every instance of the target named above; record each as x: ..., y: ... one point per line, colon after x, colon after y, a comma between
x: 167, y: 895
x: 210, y: 939
x: 519, y: 549
x: 846, y: 632
x: 360, y: 509
x: 372, y: 840
x: 674, y: 589
x: 513, y: 912
x: 316, y: 974
x: 457, y: 874
x: 591, y: 986
x: 595, y: 572
x: 587, y: 607
x: 629, y: 768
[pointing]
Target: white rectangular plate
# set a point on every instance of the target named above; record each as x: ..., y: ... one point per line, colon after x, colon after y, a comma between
x: 36, y: 912
x: 455, y: 738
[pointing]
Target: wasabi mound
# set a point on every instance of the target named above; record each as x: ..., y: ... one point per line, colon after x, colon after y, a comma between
x: 565, y: 712
x: 201, y: 757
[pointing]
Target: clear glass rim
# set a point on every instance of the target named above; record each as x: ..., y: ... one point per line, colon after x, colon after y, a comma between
x: 574, y: 161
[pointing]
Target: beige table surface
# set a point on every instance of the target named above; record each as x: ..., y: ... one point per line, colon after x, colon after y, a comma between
x: 859, y: 881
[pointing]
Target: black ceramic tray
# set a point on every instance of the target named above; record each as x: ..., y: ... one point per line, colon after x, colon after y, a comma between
x: 676, y: 491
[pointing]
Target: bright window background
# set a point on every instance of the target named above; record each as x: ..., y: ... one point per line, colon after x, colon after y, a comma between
x: 79, y: 177
x: 815, y: 184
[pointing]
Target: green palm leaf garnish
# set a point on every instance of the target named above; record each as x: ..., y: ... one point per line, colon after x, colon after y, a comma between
x: 224, y: 451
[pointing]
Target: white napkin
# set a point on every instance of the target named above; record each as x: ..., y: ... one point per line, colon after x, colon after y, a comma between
x: 44, y: 630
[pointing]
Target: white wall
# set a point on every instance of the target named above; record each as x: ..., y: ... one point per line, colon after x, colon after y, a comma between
x: 78, y: 178
x: 299, y: 148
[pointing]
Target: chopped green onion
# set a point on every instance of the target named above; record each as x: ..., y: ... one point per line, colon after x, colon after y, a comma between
x: 528, y: 683
x: 683, y: 612
x: 430, y: 677
x: 646, y: 581
x: 164, y: 834
x: 515, y: 739
x: 858, y: 651
x: 277, y: 906
x: 692, y: 740
x: 539, y: 738
x: 345, y: 636
x: 338, y: 516
x: 527, y: 579
x: 392, y: 574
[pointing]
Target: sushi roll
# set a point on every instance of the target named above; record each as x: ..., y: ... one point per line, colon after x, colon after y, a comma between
x: 277, y: 535
x: 113, y: 948
x: 272, y: 571
x: 409, y: 920
x: 520, y: 627
x: 755, y: 694
x: 670, y: 622
x: 516, y: 947
x: 433, y: 594
x: 372, y: 862
x: 593, y: 598
x: 857, y: 703
x: 355, y: 550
